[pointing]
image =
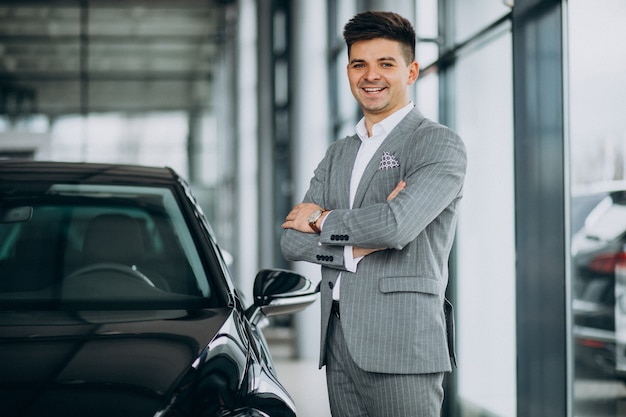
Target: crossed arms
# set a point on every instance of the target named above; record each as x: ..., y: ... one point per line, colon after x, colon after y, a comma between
x: 298, y: 219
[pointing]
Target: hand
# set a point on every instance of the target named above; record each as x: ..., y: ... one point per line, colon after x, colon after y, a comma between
x: 394, y: 193
x: 298, y: 217
x: 359, y: 252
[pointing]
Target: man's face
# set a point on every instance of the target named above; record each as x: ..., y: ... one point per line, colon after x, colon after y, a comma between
x: 379, y: 77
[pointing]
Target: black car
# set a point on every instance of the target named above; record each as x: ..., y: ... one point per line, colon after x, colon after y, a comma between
x: 598, y: 256
x: 115, y: 300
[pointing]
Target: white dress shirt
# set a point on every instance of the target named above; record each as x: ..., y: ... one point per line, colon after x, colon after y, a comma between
x: 369, y: 146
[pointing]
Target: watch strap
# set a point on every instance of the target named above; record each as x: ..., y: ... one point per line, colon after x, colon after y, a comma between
x: 313, y: 222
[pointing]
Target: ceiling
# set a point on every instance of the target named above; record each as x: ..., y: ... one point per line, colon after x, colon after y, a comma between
x: 83, y: 56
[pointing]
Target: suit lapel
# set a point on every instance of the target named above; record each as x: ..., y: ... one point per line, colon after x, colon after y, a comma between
x: 391, y: 144
x: 345, y: 172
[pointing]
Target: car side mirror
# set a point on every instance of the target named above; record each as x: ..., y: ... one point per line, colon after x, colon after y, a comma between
x: 280, y: 291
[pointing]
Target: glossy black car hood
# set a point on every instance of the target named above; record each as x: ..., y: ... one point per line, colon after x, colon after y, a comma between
x: 98, y: 363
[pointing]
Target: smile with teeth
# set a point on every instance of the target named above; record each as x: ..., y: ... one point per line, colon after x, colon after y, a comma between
x: 373, y: 89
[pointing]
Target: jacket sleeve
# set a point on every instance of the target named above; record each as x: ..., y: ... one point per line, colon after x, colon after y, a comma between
x: 299, y: 246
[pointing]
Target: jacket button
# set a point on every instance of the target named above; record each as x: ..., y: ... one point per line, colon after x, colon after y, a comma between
x: 331, y: 285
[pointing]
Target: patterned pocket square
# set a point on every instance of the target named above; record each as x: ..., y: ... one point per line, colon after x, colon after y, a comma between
x: 388, y: 161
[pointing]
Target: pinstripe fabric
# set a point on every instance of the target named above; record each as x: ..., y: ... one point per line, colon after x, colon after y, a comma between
x: 392, y: 307
x: 354, y: 392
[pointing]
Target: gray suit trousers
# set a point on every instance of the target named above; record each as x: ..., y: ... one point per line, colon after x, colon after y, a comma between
x: 354, y: 392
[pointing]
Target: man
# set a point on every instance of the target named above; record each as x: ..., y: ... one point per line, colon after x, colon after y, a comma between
x: 379, y: 217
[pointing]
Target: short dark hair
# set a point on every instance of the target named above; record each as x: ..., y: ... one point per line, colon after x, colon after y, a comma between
x: 376, y: 24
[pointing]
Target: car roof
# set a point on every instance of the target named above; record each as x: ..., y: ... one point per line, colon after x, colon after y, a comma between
x: 83, y: 172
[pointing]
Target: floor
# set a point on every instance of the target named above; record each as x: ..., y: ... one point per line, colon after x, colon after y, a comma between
x: 303, y: 380
x: 307, y: 386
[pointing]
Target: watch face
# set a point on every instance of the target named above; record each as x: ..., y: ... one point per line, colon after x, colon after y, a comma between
x: 314, y: 216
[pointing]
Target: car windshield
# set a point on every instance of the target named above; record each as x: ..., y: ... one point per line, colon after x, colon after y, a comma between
x: 98, y: 246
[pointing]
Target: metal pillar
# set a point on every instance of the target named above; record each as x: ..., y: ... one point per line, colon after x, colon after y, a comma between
x: 540, y: 206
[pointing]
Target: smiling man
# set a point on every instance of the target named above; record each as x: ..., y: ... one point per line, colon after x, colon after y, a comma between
x: 379, y: 217
x: 379, y: 74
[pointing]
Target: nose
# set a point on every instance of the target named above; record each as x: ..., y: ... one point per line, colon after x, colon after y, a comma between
x: 372, y: 74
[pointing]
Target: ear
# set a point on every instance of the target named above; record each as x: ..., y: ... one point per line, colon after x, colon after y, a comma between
x: 414, y: 70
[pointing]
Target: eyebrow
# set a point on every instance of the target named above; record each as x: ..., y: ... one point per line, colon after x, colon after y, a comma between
x: 384, y: 58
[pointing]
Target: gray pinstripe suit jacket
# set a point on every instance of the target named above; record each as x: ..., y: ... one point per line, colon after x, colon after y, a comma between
x: 392, y: 307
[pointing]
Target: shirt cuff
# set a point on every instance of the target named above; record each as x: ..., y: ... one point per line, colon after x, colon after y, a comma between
x: 324, y: 219
x: 350, y: 263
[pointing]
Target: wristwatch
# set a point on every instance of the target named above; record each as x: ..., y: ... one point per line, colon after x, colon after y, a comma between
x: 314, y: 218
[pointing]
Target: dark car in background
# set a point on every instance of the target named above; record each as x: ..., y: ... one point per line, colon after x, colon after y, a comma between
x: 598, y: 270
x: 115, y: 300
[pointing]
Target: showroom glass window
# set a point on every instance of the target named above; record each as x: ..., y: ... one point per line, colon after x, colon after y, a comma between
x: 597, y: 133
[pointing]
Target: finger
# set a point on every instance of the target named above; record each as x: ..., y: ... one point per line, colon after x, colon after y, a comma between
x: 394, y: 193
x: 291, y: 215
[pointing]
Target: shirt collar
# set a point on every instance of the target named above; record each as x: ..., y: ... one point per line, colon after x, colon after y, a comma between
x: 384, y: 126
